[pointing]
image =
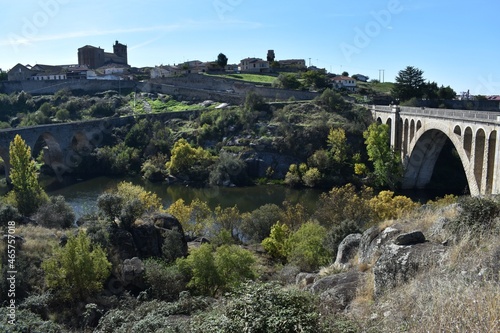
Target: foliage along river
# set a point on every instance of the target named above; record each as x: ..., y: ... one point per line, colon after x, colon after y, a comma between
x: 82, y: 196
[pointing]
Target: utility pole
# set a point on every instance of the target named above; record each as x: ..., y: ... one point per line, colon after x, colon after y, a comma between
x: 381, y: 72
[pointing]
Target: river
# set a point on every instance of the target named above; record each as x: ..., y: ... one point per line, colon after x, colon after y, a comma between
x: 82, y: 196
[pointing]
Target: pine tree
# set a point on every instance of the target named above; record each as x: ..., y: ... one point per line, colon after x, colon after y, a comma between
x: 28, y: 193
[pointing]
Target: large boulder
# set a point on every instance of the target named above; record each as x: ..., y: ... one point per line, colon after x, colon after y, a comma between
x: 373, y: 240
x: 347, y: 250
x: 147, y: 240
x: 164, y: 221
x: 337, y: 291
x: 122, y: 243
x: 399, y: 263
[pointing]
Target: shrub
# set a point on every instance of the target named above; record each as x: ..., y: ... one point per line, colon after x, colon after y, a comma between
x: 227, y: 219
x: 102, y: 109
x: 78, y: 269
x: 261, y: 308
x: 213, y: 272
x: 229, y: 169
x: 344, y: 203
x: 306, y: 248
x: 165, y: 281
x: 62, y: 114
x: 276, y: 243
x: 118, y: 160
x: 27, y: 321
x: 312, y: 177
x: 257, y: 225
x: 477, y: 215
x: 195, y: 218
x: 337, y: 234
x: 138, y: 136
x: 154, y: 169
x: 129, y: 192
x: 173, y: 246
x: 8, y: 213
x: 109, y: 205
x: 131, y: 211
x: 55, y: 213
x: 386, y: 206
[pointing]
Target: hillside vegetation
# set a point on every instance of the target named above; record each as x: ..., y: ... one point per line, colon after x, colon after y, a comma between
x: 228, y: 285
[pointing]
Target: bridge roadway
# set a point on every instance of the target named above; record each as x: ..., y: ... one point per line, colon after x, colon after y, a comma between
x: 420, y: 134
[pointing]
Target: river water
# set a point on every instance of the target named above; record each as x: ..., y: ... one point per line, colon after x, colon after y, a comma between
x: 82, y: 196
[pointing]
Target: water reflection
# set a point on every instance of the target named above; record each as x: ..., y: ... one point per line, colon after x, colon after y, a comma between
x: 82, y: 196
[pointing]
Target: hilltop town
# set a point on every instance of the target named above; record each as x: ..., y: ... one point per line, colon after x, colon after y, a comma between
x: 96, y: 64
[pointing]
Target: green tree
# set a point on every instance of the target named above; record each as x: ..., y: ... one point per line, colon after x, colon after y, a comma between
x: 212, y: 272
x: 387, y: 166
x: 77, y: 270
x: 344, y: 203
x: 28, y: 193
x: 287, y: 81
x: 189, y: 161
x: 222, y: 60
x: 195, y: 218
x: 306, y: 248
x: 446, y: 93
x: 409, y: 83
x: 337, y: 143
x: 332, y: 101
x: 315, y: 79
x: 257, y: 225
x: 234, y: 266
x: 228, y: 219
x: 276, y: 243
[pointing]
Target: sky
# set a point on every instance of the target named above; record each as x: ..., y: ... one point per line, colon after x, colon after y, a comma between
x: 452, y: 42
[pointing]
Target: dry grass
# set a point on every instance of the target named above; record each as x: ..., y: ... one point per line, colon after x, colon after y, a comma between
x: 39, y: 240
x: 460, y: 295
x: 440, y: 303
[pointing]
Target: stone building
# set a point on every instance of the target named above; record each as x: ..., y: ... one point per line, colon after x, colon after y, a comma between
x: 95, y: 57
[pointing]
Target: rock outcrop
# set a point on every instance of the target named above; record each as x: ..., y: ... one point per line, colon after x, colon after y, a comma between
x: 399, y: 263
x: 347, y: 250
x: 337, y: 290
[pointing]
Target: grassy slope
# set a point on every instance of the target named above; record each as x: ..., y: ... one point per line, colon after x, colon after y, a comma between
x: 252, y: 78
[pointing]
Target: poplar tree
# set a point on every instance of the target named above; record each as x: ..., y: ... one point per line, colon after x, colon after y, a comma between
x: 28, y: 193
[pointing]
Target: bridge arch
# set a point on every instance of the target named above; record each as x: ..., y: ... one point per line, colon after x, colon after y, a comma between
x: 52, y: 152
x: 424, y: 152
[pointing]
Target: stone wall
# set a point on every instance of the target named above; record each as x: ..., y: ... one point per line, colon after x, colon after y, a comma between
x: 192, y: 87
x: 53, y: 86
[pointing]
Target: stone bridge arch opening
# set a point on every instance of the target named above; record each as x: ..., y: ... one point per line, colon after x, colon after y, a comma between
x: 52, y: 152
x: 435, y: 164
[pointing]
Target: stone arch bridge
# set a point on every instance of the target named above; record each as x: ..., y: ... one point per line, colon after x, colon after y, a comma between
x: 65, y: 145
x: 420, y: 134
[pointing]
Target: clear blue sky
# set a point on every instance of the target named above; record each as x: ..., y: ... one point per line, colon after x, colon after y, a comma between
x: 455, y: 43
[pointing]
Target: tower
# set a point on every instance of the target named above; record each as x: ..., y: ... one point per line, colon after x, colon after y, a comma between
x: 120, y: 50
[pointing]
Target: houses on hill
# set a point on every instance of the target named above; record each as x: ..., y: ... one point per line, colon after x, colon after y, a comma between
x: 93, y: 64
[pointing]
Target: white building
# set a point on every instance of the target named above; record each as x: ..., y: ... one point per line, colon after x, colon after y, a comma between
x: 344, y: 82
x: 254, y: 65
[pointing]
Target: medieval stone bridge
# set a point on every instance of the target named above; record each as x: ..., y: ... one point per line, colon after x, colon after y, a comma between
x: 65, y: 145
x: 420, y: 134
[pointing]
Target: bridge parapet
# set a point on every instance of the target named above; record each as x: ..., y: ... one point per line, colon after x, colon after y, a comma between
x: 452, y: 114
